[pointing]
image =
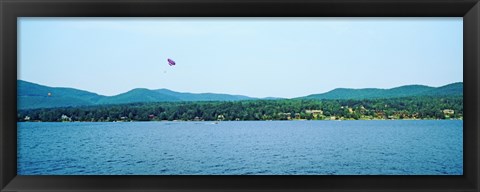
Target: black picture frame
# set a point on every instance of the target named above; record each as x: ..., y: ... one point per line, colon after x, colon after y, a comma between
x: 10, y: 10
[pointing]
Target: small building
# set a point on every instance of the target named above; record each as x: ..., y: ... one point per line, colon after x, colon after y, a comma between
x: 315, y: 113
x: 297, y: 116
x: 285, y: 115
x: 65, y: 118
x: 448, y: 112
x: 27, y: 118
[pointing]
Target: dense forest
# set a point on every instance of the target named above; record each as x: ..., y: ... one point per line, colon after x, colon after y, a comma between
x: 427, y: 107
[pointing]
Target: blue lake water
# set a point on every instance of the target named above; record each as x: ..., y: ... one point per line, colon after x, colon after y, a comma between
x: 389, y: 147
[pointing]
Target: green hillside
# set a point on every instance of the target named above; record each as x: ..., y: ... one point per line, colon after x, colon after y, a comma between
x: 450, y: 89
x: 202, y: 96
x: 33, y: 96
x: 403, y: 91
x: 139, y: 95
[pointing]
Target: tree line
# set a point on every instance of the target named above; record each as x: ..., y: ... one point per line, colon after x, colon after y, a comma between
x: 284, y: 109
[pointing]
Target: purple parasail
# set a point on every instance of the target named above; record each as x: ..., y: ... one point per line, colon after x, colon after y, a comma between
x: 171, y: 62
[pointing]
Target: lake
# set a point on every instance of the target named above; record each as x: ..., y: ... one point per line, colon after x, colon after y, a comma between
x: 375, y: 147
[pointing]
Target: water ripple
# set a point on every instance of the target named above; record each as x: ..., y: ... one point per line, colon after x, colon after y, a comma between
x: 242, y: 148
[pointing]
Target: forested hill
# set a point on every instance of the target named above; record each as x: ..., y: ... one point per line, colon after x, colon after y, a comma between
x: 454, y: 89
x: 31, y: 96
x: 34, y: 96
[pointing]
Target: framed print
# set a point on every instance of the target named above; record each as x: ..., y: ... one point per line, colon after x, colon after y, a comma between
x: 249, y: 96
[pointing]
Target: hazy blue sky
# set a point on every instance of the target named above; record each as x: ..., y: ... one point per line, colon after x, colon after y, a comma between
x: 259, y: 57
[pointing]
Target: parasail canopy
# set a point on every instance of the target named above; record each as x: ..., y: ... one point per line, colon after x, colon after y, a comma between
x: 171, y: 62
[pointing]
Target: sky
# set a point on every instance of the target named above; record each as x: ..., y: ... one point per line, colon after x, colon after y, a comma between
x: 257, y: 57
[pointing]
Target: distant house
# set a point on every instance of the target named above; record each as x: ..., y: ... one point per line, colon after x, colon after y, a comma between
x: 315, y: 113
x: 297, y: 115
x: 27, y: 118
x: 65, y: 118
x: 285, y: 115
x: 448, y: 112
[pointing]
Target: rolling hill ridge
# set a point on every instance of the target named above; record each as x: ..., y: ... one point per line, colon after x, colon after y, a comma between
x: 454, y: 89
x: 32, y: 96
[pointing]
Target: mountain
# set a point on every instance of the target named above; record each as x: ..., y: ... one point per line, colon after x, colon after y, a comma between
x: 403, y: 91
x: 202, y: 96
x: 450, y: 89
x: 32, y: 96
x: 139, y: 95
